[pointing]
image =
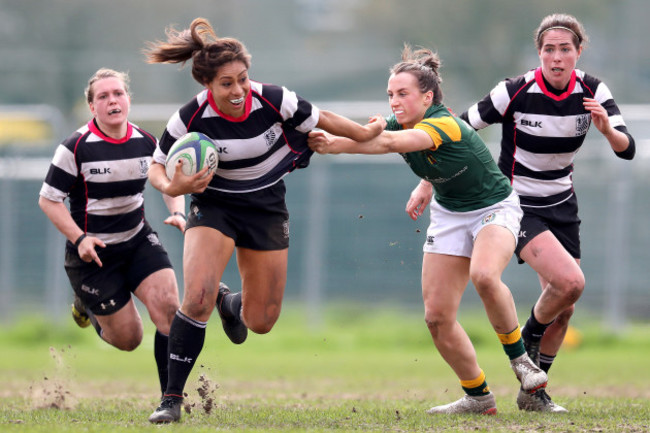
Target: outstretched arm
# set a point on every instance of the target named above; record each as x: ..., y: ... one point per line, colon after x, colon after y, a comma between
x: 342, y: 126
x: 408, y: 140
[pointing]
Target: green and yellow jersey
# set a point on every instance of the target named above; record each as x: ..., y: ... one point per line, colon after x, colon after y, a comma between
x: 459, y: 165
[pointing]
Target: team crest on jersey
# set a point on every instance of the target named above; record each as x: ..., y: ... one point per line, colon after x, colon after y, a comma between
x: 431, y: 159
x: 144, y: 167
x: 582, y: 124
x: 153, y: 239
x: 270, y: 137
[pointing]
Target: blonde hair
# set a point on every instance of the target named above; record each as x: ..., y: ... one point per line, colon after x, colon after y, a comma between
x: 100, y: 75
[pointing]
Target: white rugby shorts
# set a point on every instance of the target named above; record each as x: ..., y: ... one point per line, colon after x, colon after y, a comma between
x: 454, y: 233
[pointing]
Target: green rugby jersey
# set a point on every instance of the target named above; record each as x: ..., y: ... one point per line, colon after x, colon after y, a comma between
x: 459, y: 165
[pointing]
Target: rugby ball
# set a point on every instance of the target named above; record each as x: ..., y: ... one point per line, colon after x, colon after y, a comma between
x: 195, y: 150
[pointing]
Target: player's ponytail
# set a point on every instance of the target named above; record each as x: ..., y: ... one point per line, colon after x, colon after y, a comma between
x: 423, y: 64
x: 201, y: 44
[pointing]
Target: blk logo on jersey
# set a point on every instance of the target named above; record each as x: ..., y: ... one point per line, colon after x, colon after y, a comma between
x: 105, y: 170
x: 531, y: 124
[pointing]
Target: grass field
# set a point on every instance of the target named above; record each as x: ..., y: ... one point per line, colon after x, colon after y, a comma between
x: 364, y: 369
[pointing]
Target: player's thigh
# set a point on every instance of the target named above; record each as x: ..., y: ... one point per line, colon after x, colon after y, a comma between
x: 444, y: 279
x: 206, y: 253
x: 493, y: 249
x: 264, y: 276
x: 552, y: 262
x: 123, y: 328
x: 542, y: 281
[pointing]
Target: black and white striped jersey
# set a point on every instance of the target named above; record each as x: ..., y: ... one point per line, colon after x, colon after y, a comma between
x: 255, y: 150
x: 104, y: 179
x: 542, y: 131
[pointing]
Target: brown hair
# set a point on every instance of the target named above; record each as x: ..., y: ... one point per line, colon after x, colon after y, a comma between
x: 201, y: 44
x: 563, y: 22
x: 423, y: 64
x: 105, y: 73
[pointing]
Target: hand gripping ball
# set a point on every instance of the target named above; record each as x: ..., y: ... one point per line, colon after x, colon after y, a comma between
x: 196, y: 151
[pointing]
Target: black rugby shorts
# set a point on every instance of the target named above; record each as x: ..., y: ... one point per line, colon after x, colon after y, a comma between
x: 257, y: 220
x: 562, y: 220
x: 107, y: 289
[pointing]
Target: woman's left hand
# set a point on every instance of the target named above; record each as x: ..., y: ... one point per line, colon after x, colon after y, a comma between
x: 177, y: 221
x: 598, y: 115
x: 319, y: 142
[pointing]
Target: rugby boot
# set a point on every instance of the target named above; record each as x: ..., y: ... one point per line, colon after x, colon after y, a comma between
x: 79, y: 313
x: 168, y: 411
x: 482, y: 405
x: 231, y: 321
x: 531, y: 376
x: 538, y: 401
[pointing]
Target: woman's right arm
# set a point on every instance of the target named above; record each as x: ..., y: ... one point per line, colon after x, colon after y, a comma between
x: 407, y: 140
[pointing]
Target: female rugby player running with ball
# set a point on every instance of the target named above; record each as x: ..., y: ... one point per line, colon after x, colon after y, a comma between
x: 260, y: 131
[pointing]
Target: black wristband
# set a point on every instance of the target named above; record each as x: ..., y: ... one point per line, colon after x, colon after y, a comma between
x: 79, y: 239
x: 180, y: 214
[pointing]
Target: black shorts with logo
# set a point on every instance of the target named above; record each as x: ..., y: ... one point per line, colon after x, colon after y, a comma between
x: 258, y: 220
x: 562, y: 220
x: 104, y: 290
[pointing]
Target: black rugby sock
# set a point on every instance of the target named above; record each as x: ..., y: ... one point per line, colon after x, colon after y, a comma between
x: 186, y: 338
x: 93, y: 321
x: 533, y: 330
x: 160, y: 342
x: 545, y: 361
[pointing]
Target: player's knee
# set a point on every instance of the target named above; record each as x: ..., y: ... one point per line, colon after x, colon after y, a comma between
x: 572, y: 287
x: 437, y: 319
x: 128, y: 342
x: 261, y: 323
x: 163, y: 317
x: 198, y: 311
x: 487, y: 283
